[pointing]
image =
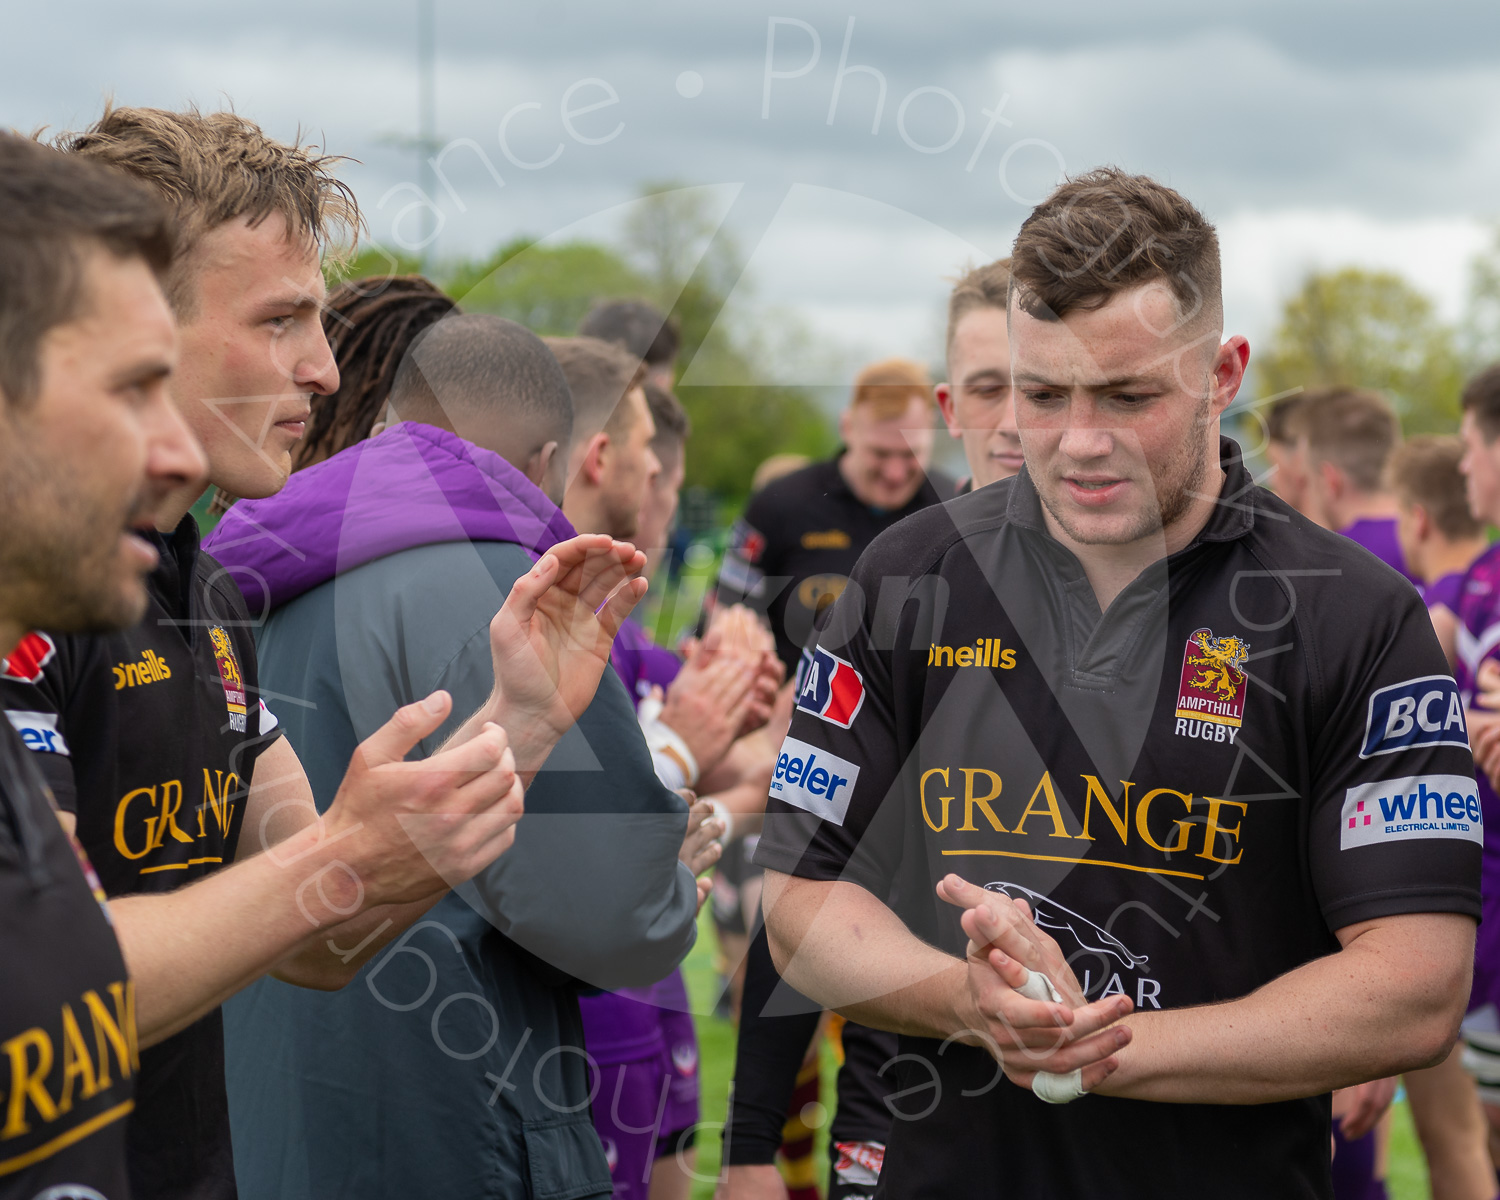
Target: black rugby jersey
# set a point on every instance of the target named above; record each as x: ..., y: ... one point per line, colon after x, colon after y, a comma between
x: 68, y: 1054
x: 1257, y: 744
x: 150, y: 736
x: 791, y: 553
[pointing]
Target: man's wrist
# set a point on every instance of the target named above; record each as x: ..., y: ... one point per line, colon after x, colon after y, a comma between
x: 323, y: 864
x: 531, y: 736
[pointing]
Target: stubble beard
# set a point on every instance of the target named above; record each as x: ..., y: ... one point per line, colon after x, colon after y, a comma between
x: 60, y: 562
x: 1178, y: 485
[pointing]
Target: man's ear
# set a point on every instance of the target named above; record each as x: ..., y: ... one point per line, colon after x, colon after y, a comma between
x: 1423, y: 520
x: 845, y: 419
x: 1334, y: 483
x: 538, y: 463
x: 388, y: 417
x: 943, y: 394
x: 595, y: 459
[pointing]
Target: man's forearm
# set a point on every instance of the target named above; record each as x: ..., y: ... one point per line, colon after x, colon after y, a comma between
x: 839, y: 945
x: 190, y: 949
x: 331, y: 957
x: 1374, y: 1009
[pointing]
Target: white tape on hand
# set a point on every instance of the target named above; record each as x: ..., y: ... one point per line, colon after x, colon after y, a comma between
x: 1053, y: 1089
x: 1058, y: 1089
x: 1039, y: 987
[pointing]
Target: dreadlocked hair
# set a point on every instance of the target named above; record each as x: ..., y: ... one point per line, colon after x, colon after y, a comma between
x: 370, y: 324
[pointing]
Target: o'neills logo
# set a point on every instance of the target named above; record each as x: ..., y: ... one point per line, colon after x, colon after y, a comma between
x: 985, y: 652
x: 151, y: 669
x: 1213, y: 683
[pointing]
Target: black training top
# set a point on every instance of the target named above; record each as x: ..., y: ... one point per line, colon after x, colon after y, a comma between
x: 67, y: 1011
x: 1256, y: 745
x: 150, y: 735
x: 791, y: 553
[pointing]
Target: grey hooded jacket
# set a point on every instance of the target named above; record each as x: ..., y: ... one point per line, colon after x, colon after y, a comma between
x: 453, y: 1065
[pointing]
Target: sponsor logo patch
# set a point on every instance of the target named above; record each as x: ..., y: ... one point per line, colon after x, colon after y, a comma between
x: 25, y: 662
x: 817, y: 592
x: 1213, y: 682
x: 1419, y: 712
x: 813, y: 780
x: 747, y: 541
x: 826, y: 539
x: 831, y: 688
x: 39, y: 732
x: 1419, y: 806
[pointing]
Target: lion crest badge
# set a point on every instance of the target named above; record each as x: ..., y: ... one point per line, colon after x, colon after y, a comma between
x: 1213, y: 682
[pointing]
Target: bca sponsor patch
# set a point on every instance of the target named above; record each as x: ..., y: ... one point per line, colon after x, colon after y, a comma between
x: 39, y: 732
x: 813, y: 780
x: 25, y: 662
x: 830, y: 688
x: 1419, y: 806
x: 1418, y: 712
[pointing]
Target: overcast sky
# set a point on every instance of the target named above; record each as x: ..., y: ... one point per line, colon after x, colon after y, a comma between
x: 1313, y: 134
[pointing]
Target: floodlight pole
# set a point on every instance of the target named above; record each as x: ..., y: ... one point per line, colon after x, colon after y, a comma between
x: 426, y: 114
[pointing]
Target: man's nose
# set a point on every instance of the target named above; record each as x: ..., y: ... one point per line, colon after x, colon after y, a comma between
x: 1083, y: 441
x: 317, y: 369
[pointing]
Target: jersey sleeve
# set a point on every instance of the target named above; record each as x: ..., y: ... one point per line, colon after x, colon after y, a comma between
x: 37, y: 692
x: 742, y: 574
x: 1396, y: 824
x: 834, y: 808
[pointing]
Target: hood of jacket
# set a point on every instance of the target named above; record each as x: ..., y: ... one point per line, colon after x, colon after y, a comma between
x: 412, y: 485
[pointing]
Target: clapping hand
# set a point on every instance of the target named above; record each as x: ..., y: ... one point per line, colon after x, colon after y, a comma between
x: 1030, y: 1036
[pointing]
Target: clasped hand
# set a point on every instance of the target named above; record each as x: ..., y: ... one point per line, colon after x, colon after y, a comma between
x: 1029, y: 1036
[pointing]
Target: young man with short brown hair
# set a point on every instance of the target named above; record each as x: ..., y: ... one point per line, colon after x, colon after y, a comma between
x: 1186, y: 793
x: 1345, y: 438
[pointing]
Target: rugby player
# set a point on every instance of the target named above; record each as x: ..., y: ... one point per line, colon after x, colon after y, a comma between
x: 789, y: 556
x: 1085, y: 798
x: 91, y: 446
x: 1439, y: 537
x: 976, y: 400
x: 1346, y: 437
x: 978, y: 409
x: 156, y: 740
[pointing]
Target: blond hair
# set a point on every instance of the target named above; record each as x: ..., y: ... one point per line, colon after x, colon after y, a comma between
x: 979, y: 287
x: 219, y: 167
x: 888, y: 386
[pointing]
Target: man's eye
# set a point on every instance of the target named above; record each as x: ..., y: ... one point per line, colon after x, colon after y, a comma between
x: 279, y: 323
x: 1040, y: 397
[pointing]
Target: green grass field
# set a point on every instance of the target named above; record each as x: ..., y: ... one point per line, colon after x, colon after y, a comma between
x: 1406, y: 1179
